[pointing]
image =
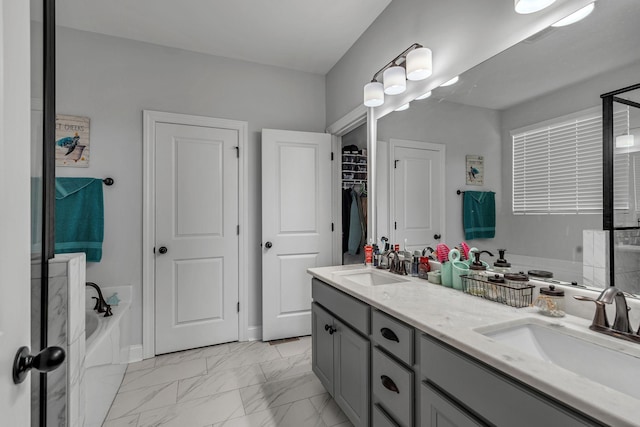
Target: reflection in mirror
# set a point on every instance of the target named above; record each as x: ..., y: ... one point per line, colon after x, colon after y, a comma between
x: 533, y: 114
x: 626, y: 191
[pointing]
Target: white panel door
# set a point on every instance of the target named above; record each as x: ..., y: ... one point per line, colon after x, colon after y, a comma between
x: 296, y: 226
x: 15, y: 285
x: 196, y: 248
x: 417, y: 193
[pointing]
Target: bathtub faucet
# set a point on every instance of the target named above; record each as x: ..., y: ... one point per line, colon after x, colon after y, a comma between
x: 101, y: 304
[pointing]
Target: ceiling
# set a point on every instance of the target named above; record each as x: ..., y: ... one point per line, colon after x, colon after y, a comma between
x: 557, y: 57
x: 309, y: 35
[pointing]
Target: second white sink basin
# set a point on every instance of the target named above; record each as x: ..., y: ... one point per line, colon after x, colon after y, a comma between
x: 370, y: 278
x: 572, y: 351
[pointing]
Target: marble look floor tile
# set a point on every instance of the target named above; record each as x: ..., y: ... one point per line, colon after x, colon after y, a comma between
x: 143, y: 399
x: 242, y: 358
x: 196, y: 353
x: 130, y: 421
x: 195, y: 413
x: 143, y: 364
x: 277, y: 393
x: 328, y: 409
x: 345, y: 424
x: 247, y: 346
x: 286, y: 368
x: 300, y: 346
x: 163, y: 374
x: 217, y: 381
x: 296, y: 414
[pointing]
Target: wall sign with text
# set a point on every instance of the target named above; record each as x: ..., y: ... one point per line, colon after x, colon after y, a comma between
x: 72, y: 141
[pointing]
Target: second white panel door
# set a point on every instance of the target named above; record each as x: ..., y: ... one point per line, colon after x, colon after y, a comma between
x: 196, y: 249
x: 417, y: 193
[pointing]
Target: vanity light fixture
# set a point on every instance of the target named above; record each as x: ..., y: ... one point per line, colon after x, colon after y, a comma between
x: 531, y: 6
x: 575, y: 16
x: 403, y: 107
x: 424, y: 96
x: 624, y: 141
x: 450, y: 82
x: 414, y: 63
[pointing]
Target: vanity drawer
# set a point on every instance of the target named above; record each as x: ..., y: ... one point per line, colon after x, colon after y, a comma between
x: 488, y: 393
x: 392, y: 386
x: 393, y: 335
x: 381, y: 419
x: 352, y: 311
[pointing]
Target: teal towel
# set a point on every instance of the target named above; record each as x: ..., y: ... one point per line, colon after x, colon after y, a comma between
x: 479, y: 215
x: 79, y: 217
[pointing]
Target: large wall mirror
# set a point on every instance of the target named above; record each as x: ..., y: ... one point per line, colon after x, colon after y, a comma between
x: 546, y: 86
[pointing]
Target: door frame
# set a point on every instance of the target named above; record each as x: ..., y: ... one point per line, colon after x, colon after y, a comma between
x: 441, y: 148
x: 150, y: 119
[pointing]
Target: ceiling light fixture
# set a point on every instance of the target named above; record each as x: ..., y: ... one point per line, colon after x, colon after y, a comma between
x: 424, y: 96
x: 414, y: 63
x: 450, y: 82
x: 531, y: 6
x: 575, y: 16
x: 403, y: 107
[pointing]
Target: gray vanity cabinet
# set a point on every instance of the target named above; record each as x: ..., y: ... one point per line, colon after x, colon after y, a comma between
x: 341, y: 350
x: 440, y: 411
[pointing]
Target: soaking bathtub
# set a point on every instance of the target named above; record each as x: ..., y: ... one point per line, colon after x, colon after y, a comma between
x: 106, y: 359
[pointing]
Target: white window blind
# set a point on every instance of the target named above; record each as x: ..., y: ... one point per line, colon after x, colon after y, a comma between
x: 557, y: 168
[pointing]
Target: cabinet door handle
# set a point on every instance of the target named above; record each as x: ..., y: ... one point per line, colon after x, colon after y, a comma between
x: 329, y: 328
x: 389, y: 334
x: 389, y: 384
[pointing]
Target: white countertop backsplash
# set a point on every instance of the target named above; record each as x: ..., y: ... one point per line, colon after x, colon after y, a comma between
x: 452, y: 316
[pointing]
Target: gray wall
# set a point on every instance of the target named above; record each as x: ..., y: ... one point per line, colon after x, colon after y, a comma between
x: 552, y: 236
x: 111, y: 80
x: 463, y: 130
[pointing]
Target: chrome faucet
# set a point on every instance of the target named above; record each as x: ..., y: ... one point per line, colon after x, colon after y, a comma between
x: 621, y: 327
x: 396, y: 265
x: 101, y: 305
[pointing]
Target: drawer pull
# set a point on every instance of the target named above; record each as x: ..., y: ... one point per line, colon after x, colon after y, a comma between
x: 389, y: 334
x: 389, y: 384
x: 331, y: 329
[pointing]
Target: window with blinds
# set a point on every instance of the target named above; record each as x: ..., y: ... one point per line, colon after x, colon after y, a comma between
x: 557, y: 168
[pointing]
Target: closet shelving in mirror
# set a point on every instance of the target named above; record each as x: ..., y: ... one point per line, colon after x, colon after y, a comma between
x: 354, y: 168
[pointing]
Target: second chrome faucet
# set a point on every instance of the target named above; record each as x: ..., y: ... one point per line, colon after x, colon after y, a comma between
x: 621, y: 327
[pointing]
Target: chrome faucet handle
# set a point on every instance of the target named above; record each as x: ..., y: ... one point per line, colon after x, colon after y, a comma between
x: 621, y: 322
x: 600, y: 317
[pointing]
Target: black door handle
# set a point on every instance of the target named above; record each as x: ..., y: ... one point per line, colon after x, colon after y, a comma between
x: 45, y: 361
x: 329, y: 328
x: 437, y: 236
x: 268, y: 245
x: 163, y: 250
x: 389, y: 384
x: 389, y: 334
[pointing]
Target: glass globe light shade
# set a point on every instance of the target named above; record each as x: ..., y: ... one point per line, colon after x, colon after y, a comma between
x: 419, y: 64
x: 394, y: 80
x: 373, y: 94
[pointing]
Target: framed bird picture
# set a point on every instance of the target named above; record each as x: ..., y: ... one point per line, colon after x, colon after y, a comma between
x: 475, y: 170
x: 72, y: 141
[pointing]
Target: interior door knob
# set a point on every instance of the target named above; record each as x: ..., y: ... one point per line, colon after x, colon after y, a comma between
x: 163, y: 250
x: 268, y: 245
x: 45, y: 361
x: 437, y: 236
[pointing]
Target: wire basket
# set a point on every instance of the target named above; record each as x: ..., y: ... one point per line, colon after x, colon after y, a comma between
x: 514, y: 295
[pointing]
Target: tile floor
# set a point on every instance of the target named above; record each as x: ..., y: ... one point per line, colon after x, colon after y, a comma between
x: 236, y: 384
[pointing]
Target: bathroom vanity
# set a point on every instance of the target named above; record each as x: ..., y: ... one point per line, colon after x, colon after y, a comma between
x: 398, y: 351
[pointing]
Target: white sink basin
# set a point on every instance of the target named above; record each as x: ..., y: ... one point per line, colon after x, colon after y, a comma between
x: 572, y: 351
x: 370, y: 278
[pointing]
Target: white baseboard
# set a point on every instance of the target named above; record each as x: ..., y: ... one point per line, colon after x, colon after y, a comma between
x: 254, y: 333
x: 131, y: 354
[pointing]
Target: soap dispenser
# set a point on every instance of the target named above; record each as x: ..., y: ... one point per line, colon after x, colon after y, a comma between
x: 501, y: 265
x: 477, y: 267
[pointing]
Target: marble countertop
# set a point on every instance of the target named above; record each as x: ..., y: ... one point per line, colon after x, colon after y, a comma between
x: 453, y: 317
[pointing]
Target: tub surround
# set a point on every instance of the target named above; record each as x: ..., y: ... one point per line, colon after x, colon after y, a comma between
x: 452, y: 317
x: 107, y: 355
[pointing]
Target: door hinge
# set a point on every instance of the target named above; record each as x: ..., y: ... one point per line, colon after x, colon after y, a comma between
x: 332, y: 156
x: 395, y: 225
x: 238, y: 307
x: 237, y: 151
x: 154, y: 249
x: 395, y: 164
x: 331, y: 226
x: 238, y: 229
